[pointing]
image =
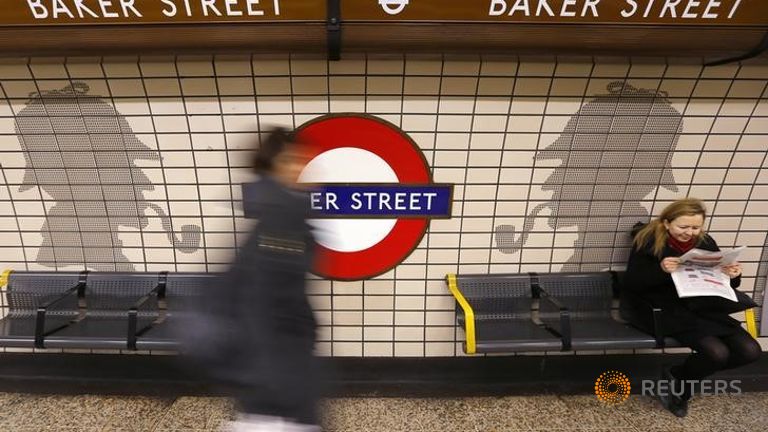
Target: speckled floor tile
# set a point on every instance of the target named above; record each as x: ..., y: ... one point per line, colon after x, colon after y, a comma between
x: 391, y: 414
x: 56, y: 429
x: 501, y: 413
x: 522, y: 413
x: 445, y: 414
x: 643, y: 413
x: 83, y: 412
x: 590, y: 413
x: 7, y: 400
x: 746, y: 411
x: 196, y: 413
x: 735, y: 413
x: 587, y: 429
x: 707, y: 413
x: 222, y: 410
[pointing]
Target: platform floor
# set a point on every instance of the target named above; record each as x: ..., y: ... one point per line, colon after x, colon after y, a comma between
x: 36, y: 413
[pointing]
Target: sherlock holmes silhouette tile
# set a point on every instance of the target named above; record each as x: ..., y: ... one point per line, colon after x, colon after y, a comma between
x: 613, y: 152
x: 81, y: 152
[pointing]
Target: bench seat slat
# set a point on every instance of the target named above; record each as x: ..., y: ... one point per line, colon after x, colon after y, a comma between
x: 17, y: 332
x: 516, y: 335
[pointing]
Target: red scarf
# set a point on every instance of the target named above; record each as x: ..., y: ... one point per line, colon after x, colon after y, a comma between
x: 681, y: 247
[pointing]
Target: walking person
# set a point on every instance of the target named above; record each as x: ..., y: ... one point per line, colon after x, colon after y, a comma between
x: 718, y: 340
x: 260, y: 324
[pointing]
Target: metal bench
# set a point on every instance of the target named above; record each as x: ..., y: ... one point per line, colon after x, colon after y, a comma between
x: 591, y: 302
x: 103, y: 323
x: 181, y: 294
x: 39, y: 303
x: 496, y: 313
x: 540, y: 312
x: 97, y: 310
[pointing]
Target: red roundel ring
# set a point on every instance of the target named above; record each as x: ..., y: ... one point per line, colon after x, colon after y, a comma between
x: 407, y: 161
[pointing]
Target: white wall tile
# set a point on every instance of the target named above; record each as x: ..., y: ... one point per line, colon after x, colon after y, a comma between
x: 120, y: 68
x: 378, y: 318
x: 377, y: 333
x: 48, y: 70
x: 722, y: 71
x: 347, y: 349
x: 195, y: 65
x: 474, y: 132
x: 538, y: 87
x: 162, y: 87
x: 377, y: 349
x: 647, y: 69
x: 347, y: 334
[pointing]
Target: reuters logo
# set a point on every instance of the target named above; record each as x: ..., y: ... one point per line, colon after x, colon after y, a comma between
x: 612, y: 387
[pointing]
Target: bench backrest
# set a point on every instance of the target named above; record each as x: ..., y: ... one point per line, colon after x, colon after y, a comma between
x: 499, y: 296
x: 27, y: 291
x: 184, y: 289
x: 584, y: 294
x: 109, y: 293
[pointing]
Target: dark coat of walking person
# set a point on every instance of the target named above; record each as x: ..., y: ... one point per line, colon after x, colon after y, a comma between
x: 718, y: 340
x: 261, y: 325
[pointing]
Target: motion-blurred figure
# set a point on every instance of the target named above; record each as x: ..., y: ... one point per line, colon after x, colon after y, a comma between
x: 82, y: 152
x: 261, y: 326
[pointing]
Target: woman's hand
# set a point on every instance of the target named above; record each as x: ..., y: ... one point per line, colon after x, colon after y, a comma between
x: 733, y: 270
x: 670, y: 264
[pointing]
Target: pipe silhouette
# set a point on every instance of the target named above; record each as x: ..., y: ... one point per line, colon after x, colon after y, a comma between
x: 505, y: 234
x: 190, y: 234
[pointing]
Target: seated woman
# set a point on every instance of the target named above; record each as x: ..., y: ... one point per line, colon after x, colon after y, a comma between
x: 717, y: 339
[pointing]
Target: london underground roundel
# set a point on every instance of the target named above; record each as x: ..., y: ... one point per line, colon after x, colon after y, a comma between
x: 372, y: 195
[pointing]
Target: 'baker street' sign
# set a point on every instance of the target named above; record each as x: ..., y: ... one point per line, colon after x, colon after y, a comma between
x: 712, y: 12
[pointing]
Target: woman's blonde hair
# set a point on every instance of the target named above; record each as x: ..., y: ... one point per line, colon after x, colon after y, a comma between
x: 658, y: 232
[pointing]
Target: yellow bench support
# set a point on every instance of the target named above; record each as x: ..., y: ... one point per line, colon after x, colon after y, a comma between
x: 749, y: 317
x: 4, y: 277
x: 469, y: 314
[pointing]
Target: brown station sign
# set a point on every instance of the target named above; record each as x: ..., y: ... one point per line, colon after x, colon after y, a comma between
x: 736, y: 12
x: 31, y: 12
x: 677, y: 12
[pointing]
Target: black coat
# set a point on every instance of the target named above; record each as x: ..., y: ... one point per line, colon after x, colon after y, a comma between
x: 645, y: 283
x: 259, y: 324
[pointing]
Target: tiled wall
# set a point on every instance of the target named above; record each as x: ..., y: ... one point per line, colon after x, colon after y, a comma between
x: 569, y: 153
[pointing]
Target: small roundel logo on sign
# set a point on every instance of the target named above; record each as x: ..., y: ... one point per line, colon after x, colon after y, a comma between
x: 393, y: 7
x: 372, y: 195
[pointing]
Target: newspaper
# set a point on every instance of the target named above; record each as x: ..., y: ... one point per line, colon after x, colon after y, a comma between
x: 699, y: 273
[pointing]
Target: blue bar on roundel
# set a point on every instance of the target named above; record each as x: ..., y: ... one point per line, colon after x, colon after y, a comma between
x: 381, y: 200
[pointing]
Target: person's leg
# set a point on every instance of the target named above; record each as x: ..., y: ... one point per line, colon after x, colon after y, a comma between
x: 744, y: 349
x: 711, y: 355
x: 714, y: 354
x: 294, y: 381
x: 305, y: 379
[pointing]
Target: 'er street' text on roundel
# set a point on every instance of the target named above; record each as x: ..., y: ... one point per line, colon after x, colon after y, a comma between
x: 372, y: 195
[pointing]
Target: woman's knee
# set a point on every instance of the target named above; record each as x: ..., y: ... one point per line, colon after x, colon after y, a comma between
x: 745, y: 352
x: 717, y: 353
